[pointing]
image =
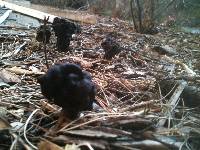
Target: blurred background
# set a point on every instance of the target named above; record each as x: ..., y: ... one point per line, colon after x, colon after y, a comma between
x: 146, y: 15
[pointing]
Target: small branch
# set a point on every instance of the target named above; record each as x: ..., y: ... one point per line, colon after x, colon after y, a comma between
x: 45, y: 41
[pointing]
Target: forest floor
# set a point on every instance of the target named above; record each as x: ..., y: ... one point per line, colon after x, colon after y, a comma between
x: 134, y: 111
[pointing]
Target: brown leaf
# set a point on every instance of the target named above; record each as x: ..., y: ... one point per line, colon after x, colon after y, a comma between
x: 21, y: 71
x: 47, y: 145
x: 4, y: 123
x: 8, y: 77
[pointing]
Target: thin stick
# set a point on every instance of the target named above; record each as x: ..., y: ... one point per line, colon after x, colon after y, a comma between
x: 45, y: 41
x: 25, y: 126
x: 93, y: 120
x: 17, y: 138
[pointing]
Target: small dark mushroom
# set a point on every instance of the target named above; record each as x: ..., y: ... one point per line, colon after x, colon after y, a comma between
x: 111, y: 47
x: 63, y: 31
x: 69, y: 87
x: 43, y: 30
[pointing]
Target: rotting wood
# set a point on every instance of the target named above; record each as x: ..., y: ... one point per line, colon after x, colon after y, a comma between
x: 13, y: 27
x: 91, y: 19
x: 190, y: 96
x: 27, y: 11
x: 174, y: 100
x: 5, y: 16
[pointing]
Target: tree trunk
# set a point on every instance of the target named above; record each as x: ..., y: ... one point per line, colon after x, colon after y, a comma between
x: 143, y: 15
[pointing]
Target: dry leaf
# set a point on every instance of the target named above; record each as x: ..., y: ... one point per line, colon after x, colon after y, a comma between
x: 21, y: 71
x: 72, y: 147
x: 8, y: 77
x: 34, y: 69
x: 47, y: 145
x: 17, y: 126
x: 47, y: 106
x: 4, y: 123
